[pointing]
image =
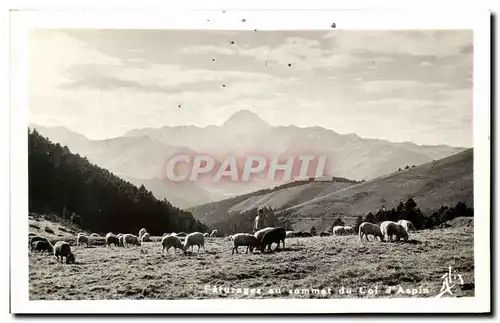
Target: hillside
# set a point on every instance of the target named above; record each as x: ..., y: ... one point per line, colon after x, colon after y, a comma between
x: 281, y: 197
x: 445, y: 181
x: 68, y: 185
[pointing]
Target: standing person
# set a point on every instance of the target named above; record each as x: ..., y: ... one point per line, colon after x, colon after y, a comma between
x: 259, y: 220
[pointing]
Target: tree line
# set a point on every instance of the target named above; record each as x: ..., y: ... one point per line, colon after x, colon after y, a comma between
x: 68, y: 185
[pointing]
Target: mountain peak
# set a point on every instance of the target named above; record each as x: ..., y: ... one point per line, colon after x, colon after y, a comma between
x: 245, y: 120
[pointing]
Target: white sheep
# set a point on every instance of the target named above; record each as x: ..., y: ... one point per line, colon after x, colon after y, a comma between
x: 407, y: 225
x: 349, y: 230
x: 145, y: 237
x: 94, y: 235
x: 82, y: 239
x: 390, y: 229
x: 62, y: 249
x: 131, y: 239
x: 214, y: 233
x: 141, y: 232
x: 338, y: 230
x: 194, y: 239
x: 244, y: 239
x: 171, y: 241
x: 367, y: 228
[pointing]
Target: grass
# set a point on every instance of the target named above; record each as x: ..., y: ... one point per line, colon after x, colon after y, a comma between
x: 306, y: 263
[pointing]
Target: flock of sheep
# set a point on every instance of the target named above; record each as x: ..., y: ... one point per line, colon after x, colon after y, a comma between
x: 262, y: 239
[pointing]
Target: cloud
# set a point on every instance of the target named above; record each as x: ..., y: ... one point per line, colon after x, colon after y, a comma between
x: 418, y: 43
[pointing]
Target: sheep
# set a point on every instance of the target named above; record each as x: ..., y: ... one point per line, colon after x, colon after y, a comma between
x: 171, y: 241
x: 111, y: 238
x: 42, y: 246
x: 194, y: 239
x: 349, y: 230
x: 259, y: 234
x: 120, y: 240
x: 62, y: 249
x: 131, y: 239
x: 407, y: 225
x: 206, y: 234
x: 276, y: 235
x: 390, y: 229
x: 145, y: 237
x: 367, y: 228
x: 141, y: 232
x: 291, y: 234
x: 34, y: 239
x: 325, y: 234
x: 214, y: 233
x: 82, y: 239
x: 338, y: 230
x: 82, y: 233
x: 244, y: 239
x: 306, y: 234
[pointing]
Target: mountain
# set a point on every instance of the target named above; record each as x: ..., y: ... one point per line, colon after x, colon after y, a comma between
x: 142, y: 154
x: 442, y: 182
x: 68, y: 185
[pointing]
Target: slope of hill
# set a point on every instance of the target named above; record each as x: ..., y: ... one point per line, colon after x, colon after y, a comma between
x: 93, y: 197
x: 445, y: 181
x: 281, y: 197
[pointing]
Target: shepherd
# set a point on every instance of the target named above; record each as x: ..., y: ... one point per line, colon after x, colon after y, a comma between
x: 259, y: 220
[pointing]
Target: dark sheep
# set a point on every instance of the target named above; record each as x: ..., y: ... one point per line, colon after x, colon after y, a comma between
x: 62, y: 249
x: 34, y: 239
x: 325, y: 234
x: 42, y: 246
x: 276, y: 235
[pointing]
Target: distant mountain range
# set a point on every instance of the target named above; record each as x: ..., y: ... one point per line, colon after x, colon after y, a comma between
x: 442, y: 182
x: 140, y: 155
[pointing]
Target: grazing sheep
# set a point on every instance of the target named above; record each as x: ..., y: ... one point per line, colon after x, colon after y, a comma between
x: 120, y: 240
x: 407, y: 225
x: 145, y: 237
x: 131, y: 239
x: 62, y: 249
x: 338, y: 230
x: 214, y: 233
x: 82, y: 239
x: 325, y: 234
x: 244, y: 239
x: 194, y: 239
x: 141, y: 232
x: 390, y: 229
x: 259, y: 234
x: 292, y: 234
x: 171, y: 241
x: 94, y: 235
x: 367, y: 228
x: 206, y: 234
x: 34, y: 239
x: 42, y: 246
x: 111, y: 238
x: 276, y: 235
x: 349, y: 230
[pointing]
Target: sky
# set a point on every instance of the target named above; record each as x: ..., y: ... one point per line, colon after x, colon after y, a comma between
x: 393, y: 85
